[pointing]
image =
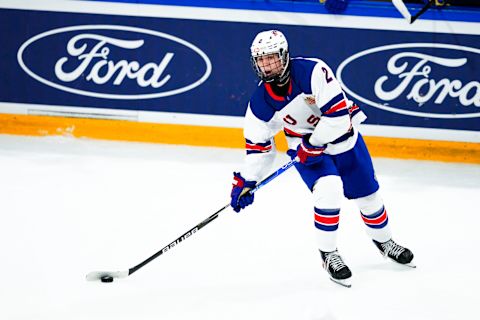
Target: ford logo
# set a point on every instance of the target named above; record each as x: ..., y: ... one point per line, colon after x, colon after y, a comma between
x: 415, y: 79
x: 114, y: 62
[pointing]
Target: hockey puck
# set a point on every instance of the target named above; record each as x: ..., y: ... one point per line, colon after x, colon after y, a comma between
x: 106, y: 279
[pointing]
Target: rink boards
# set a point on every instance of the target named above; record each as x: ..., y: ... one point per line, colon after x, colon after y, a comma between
x: 182, y: 75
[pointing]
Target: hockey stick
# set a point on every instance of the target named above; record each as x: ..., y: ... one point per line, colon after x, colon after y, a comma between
x: 108, y: 276
x: 402, y: 8
x: 422, y: 11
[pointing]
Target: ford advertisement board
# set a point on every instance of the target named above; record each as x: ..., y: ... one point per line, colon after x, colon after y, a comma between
x: 400, y: 78
x: 100, y: 59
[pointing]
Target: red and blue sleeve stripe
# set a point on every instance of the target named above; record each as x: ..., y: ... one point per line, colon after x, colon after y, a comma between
x: 336, y: 107
x: 257, y: 147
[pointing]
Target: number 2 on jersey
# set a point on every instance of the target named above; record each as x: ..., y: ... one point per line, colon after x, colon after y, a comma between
x: 327, y: 78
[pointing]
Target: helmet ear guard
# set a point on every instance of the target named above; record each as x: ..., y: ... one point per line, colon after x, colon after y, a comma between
x: 267, y: 43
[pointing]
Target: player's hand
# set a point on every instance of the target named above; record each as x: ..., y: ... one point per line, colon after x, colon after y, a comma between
x: 309, y: 154
x: 240, y: 197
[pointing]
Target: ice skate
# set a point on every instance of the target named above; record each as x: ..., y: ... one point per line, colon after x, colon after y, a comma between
x: 395, y: 252
x: 336, y: 268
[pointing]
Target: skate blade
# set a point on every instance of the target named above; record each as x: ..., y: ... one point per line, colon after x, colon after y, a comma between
x: 343, y: 282
x: 410, y: 265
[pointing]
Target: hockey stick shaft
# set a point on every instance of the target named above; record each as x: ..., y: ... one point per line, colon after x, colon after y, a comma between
x: 209, y: 219
x: 422, y: 11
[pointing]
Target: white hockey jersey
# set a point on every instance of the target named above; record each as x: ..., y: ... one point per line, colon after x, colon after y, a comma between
x: 315, y: 104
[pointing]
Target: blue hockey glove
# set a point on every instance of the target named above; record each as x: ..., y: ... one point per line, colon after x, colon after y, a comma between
x: 240, y: 195
x: 309, y: 154
x: 336, y: 6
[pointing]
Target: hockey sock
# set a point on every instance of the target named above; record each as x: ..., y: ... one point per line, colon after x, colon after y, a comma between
x: 377, y: 225
x: 375, y: 217
x: 326, y: 222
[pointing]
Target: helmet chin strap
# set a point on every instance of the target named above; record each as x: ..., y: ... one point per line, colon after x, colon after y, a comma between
x: 283, y: 80
x: 280, y: 83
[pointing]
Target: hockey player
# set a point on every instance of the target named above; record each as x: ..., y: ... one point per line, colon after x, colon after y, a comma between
x: 303, y: 97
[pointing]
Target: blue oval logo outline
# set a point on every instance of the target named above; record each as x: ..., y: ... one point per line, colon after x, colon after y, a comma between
x: 191, y: 86
x: 360, y: 54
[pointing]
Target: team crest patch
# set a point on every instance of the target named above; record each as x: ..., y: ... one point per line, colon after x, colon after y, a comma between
x: 310, y: 100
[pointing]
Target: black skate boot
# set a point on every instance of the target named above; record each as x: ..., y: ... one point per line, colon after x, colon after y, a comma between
x: 336, y: 268
x: 395, y: 252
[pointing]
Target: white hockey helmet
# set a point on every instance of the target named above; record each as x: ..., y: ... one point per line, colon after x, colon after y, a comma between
x: 267, y: 43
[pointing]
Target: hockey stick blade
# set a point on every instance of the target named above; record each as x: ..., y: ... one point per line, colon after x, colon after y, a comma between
x: 98, y: 275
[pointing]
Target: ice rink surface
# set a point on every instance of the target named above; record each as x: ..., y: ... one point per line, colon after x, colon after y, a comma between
x: 70, y: 206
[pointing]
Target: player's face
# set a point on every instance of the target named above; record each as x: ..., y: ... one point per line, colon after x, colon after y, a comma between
x: 270, y: 64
